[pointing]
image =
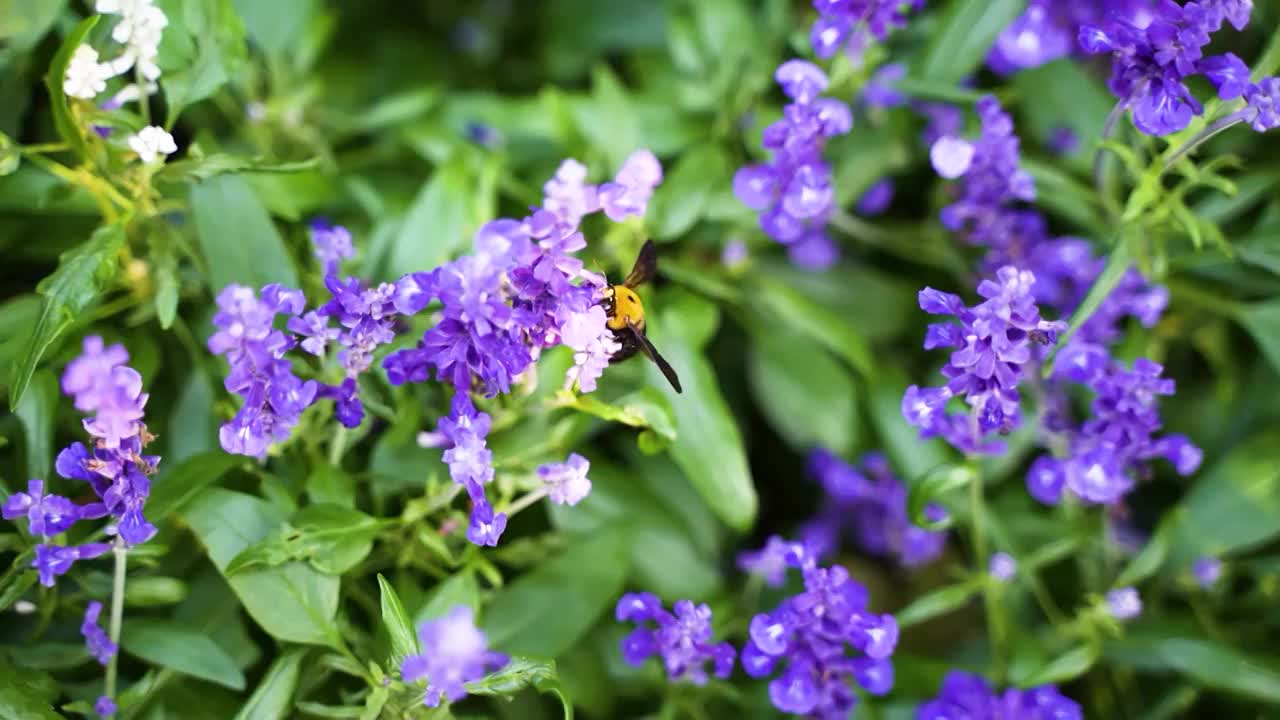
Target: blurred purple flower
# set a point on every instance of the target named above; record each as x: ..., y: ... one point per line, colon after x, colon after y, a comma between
x: 771, y: 561
x: 1124, y: 604
x: 95, y: 638
x: 567, y: 482
x: 681, y: 639
x: 454, y: 653
x: 846, y: 24
x: 877, y: 198
x: 1002, y: 566
x: 332, y: 244
x: 965, y: 696
x: 1207, y: 570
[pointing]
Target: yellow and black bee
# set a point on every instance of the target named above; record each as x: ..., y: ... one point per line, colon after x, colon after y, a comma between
x: 626, y: 314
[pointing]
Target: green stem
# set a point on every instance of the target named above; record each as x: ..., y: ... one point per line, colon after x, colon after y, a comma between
x: 996, y: 630
x: 117, y: 612
x: 1202, y: 137
x: 338, y: 446
x: 526, y: 501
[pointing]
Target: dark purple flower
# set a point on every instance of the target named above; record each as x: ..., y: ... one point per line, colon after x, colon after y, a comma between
x: 877, y: 198
x: 99, y: 644
x: 871, y: 503
x: 1228, y: 73
x: 965, y: 696
x: 682, y: 639
x: 1110, y: 450
x: 346, y: 402
x: 846, y: 24
x: 1063, y: 140
x: 454, y: 653
x: 1033, y: 39
x: 46, y: 514
x: 770, y: 562
x: 1263, y: 109
x: 808, y: 637
x: 991, y: 347
x: 54, y: 560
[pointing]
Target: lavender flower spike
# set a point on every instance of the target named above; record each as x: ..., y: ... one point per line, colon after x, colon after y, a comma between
x: 965, y: 696
x: 682, y: 639
x: 454, y: 652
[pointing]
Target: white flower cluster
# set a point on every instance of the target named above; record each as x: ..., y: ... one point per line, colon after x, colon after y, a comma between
x: 140, y: 28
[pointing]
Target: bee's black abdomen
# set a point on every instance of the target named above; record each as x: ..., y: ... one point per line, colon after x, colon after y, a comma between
x: 630, y: 346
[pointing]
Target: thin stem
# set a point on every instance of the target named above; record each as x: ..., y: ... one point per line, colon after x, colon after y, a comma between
x: 996, y: 631
x: 526, y: 501
x: 1100, y: 155
x: 1203, y: 137
x: 44, y: 148
x: 117, y: 612
x: 338, y: 446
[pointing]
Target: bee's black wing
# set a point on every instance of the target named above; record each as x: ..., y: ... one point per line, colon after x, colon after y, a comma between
x: 646, y: 265
x: 651, y: 352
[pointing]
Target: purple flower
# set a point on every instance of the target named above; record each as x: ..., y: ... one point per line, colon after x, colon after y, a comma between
x: 845, y: 24
x: 682, y: 639
x: 1033, y: 39
x: 315, y: 331
x: 991, y: 346
x: 1124, y: 604
x: 951, y: 157
x: 1263, y: 109
x: 1063, y: 141
x: 877, y: 198
x: 632, y: 187
x: 54, y: 560
x: 485, y: 527
x: 871, y: 503
x: 1207, y: 570
x: 454, y: 653
x: 771, y: 561
x: 807, y: 638
x: 1002, y: 566
x: 1228, y: 73
x: 882, y: 89
x: 99, y: 644
x: 46, y: 514
x: 566, y: 482
x: 332, y: 245
x: 568, y: 195
x: 104, y: 706
x: 1109, y: 451
x: 793, y: 191
x: 593, y: 344
x: 346, y: 402
x: 965, y: 696
x: 88, y: 377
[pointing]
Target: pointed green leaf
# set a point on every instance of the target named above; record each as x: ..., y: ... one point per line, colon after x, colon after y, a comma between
x: 182, y: 649
x: 236, y: 235
x: 967, y: 30
x: 274, y: 694
x: 404, y: 641
x: 1064, y: 668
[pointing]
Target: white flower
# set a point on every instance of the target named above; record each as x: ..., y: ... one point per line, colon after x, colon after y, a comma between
x: 85, y: 77
x: 151, y: 143
x: 121, y: 7
x: 589, y: 335
x: 951, y: 156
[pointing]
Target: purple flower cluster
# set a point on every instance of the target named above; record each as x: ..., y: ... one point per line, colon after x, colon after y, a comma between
x: 809, y: 637
x: 682, y: 639
x: 471, y: 466
x: 113, y: 464
x: 1151, y: 61
x: 332, y: 245
x: 454, y: 653
x: 965, y: 696
x: 793, y: 191
x: 567, y: 482
x: 1047, y: 30
x: 849, y: 25
x: 870, y: 502
x: 993, y: 343
x: 99, y: 644
x: 1109, y: 451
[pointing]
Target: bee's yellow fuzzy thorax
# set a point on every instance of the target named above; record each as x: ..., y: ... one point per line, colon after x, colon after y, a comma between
x: 626, y: 306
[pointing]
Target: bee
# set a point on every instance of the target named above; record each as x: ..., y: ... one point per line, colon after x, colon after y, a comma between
x: 626, y: 314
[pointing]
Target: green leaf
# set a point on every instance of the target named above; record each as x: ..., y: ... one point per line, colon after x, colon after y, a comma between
x: 1062, y: 194
x: 1063, y: 94
x: 1148, y: 562
x: 808, y: 397
x: 708, y: 446
x: 10, y: 157
x: 681, y: 200
x: 1262, y: 320
x: 37, y: 411
x: 1217, y: 666
x: 237, y: 237
x: 404, y: 641
x: 152, y: 591
x: 959, y: 46
x: 164, y: 268
x: 69, y: 129
x: 1234, y: 505
x: 192, y: 426
x: 211, y: 166
x: 178, y: 484
x: 15, y: 583
x: 82, y: 274
x: 521, y: 673
x: 332, y: 538
x: 178, y: 647
x: 1118, y: 263
x: 218, y: 54
x: 1066, y: 667
x: 609, y: 121
x: 276, y: 26
x: 23, y: 24
x: 439, y: 222
x: 26, y: 694
x: 292, y: 602
x: 331, y: 485
x: 937, y: 602
x: 545, y: 611
x: 458, y: 589
x: 931, y: 488
x: 274, y: 694
x: 49, y: 655
x: 779, y: 303
x: 646, y: 409
x: 665, y: 555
